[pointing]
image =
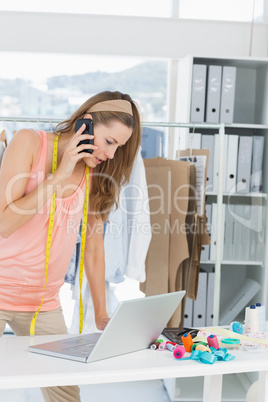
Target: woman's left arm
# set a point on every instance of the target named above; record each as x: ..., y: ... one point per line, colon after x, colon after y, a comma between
x: 94, y: 263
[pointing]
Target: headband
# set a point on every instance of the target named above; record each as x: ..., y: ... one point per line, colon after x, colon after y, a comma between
x: 115, y: 105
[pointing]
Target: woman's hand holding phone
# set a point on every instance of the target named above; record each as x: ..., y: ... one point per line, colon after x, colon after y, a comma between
x: 75, y: 150
x: 88, y: 130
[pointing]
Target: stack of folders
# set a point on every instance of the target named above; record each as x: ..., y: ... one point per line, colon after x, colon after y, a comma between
x: 213, y: 94
x: 243, y: 238
x: 242, y: 233
x: 205, y: 249
x: 242, y: 162
x: 199, y: 312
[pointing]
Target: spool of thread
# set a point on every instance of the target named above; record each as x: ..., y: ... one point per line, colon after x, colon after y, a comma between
x: 179, y: 352
x: 162, y: 346
x: 170, y: 346
x: 252, y: 319
x: 213, y: 341
x: 155, y: 345
x: 262, y: 317
x: 187, y: 342
x: 237, y: 327
x: 198, y: 343
x: 203, y: 348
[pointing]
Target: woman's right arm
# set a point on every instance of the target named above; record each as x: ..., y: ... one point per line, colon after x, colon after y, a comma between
x: 16, y: 208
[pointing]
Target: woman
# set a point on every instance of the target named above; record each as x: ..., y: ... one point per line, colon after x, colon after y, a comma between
x: 27, y: 185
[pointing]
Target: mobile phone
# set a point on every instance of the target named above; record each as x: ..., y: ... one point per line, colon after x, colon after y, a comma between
x: 88, y: 130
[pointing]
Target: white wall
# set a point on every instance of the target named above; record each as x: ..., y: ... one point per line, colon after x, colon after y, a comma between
x: 128, y: 36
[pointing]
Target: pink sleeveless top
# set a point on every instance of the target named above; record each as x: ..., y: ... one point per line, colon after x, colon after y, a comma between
x: 22, y: 255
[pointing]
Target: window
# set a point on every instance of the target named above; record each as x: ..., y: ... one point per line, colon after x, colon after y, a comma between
x: 54, y: 86
x: 148, y: 8
x: 49, y: 85
x: 226, y: 10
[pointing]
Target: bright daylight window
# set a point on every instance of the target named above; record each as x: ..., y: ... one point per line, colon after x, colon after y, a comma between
x: 54, y: 86
x: 225, y: 10
x: 148, y: 8
x: 49, y: 85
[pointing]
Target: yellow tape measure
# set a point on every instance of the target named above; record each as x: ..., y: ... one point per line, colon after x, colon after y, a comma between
x: 49, y: 238
x: 82, y: 252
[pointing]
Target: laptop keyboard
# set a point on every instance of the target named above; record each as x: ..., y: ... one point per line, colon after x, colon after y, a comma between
x: 83, y: 350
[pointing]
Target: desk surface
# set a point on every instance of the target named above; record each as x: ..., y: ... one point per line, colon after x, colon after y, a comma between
x: 23, y: 369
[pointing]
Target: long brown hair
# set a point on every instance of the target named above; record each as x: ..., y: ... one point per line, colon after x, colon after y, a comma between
x: 108, y: 177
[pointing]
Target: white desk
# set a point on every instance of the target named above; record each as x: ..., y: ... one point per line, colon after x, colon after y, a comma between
x: 21, y: 369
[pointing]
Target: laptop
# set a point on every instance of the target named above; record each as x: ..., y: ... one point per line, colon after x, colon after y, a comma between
x: 134, y: 325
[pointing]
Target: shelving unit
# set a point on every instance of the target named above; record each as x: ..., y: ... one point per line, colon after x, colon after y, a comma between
x: 250, y: 118
x: 234, y: 388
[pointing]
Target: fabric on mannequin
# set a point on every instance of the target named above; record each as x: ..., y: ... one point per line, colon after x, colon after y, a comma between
x: 174, y: 256
x: 185, y: 278
x: 180, y: 177
x: 171, y: 178
x: 157, y: 260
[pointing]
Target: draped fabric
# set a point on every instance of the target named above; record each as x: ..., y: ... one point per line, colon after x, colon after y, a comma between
x: 173, y: 259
